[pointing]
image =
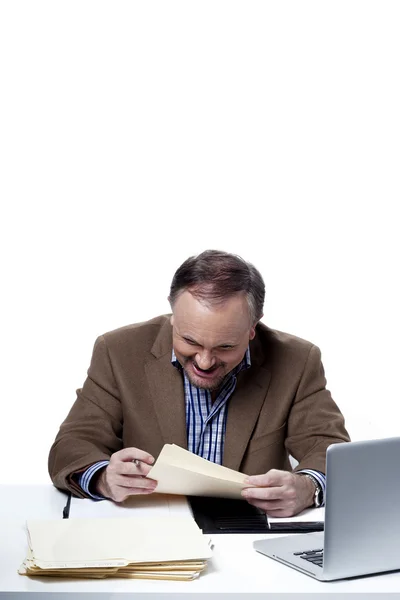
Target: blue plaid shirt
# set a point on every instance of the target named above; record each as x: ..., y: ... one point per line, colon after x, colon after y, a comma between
x: 205, y: 422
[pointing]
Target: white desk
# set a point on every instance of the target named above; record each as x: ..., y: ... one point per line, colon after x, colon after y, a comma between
x: 235, y: 569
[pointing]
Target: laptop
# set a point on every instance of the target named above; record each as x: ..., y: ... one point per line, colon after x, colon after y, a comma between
x: 362, y: 516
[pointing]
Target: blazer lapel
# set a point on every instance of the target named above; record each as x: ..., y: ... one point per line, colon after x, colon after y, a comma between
x: 166, y: 388
x: 244, y: 407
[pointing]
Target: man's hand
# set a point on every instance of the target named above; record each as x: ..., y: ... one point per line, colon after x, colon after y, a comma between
x: 125, y: 475
x: 280, y: 493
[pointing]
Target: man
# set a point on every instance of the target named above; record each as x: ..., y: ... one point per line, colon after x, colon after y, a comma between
x: 210, y: 378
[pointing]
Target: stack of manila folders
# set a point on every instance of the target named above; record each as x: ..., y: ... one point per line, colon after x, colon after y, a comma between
x: 141, y: 548
x: 170, y: 547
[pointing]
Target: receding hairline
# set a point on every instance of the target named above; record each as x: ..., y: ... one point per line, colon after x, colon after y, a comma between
x: 214, y: 276
x: 209, y: 300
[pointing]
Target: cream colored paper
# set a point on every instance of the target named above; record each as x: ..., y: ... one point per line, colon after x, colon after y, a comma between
x: 181, y: 472
x: 80, y: 543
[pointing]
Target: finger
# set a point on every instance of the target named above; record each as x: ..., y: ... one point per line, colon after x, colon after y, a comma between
x: 130, y: 454
x: 130, y: 468
x: 121, y: 494
x: 276, y: 508
x: 140, y: 491
x: 141, y: 467
x: 263, y: 493
x: 274, y: 478
x: 273, y: 506
x: 135, y: 481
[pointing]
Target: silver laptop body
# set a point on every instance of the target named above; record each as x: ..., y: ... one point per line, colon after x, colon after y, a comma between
x: 362, y: 515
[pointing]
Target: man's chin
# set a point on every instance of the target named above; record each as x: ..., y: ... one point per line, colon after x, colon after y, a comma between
x: 211, y: 385
x: 208, y: 386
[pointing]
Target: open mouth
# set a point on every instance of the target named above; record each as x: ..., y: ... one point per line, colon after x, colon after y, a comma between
x: 205, y: 372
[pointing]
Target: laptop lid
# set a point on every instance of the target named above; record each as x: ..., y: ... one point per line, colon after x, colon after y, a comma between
x: 362, y: 514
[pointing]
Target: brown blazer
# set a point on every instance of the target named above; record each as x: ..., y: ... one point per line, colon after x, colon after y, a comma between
x: 134, y: 396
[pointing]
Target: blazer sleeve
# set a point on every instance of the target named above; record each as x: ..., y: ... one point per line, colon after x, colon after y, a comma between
x: 315, y: 421
x: 92, y: 430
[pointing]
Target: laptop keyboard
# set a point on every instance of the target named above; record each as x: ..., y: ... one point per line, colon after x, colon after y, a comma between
x: 314, y: 556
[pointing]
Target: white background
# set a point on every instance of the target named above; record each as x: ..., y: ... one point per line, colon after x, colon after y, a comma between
x: 135, y: 134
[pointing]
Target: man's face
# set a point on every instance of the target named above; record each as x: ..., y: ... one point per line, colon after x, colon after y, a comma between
x: 209, y: 341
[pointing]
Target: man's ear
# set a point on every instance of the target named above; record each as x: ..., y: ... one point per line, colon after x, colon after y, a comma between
x: 252, y: 334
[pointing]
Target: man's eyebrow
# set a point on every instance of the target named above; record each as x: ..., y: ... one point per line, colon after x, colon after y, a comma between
x: 186, y: 336
x: 190, y: 339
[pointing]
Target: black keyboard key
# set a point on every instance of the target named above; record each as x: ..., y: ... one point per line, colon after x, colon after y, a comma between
x: 313, y: 560
x: 316, y: 557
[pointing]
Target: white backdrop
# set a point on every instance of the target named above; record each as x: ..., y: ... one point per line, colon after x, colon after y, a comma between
x: 135, y: 134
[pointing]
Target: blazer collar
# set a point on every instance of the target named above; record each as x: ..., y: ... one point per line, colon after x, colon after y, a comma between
x: 163, y: 342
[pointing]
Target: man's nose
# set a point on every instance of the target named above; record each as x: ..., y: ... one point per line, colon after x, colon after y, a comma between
x: 205, y: 360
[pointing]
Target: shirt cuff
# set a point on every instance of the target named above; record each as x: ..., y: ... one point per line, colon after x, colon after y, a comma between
x: 320, y: 477
x: 86, y: 476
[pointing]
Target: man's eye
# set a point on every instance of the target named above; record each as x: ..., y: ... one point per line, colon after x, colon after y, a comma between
x: 226, y: 347
x: 191, y: 342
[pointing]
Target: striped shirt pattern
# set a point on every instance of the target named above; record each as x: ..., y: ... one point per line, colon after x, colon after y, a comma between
x: 205, y: 422
x: 84, y: 480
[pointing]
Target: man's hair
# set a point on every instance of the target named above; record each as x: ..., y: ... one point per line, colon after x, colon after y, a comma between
x: 215, y: 276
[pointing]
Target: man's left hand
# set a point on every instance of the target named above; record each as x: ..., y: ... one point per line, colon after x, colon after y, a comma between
x: 279, y: 493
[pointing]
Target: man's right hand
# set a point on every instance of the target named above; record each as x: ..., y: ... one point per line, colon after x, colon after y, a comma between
x: 125, y: 475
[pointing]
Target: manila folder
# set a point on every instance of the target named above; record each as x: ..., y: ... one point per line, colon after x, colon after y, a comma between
x: 181, y: 472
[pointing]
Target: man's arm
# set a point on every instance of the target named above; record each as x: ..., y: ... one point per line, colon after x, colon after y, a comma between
x: 92, y: 430
x: 314, y: 423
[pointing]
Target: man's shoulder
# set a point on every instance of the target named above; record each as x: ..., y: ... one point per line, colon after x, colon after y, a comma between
x: 282, y: 339
x: 277, y: 346
x: 141, y: 334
